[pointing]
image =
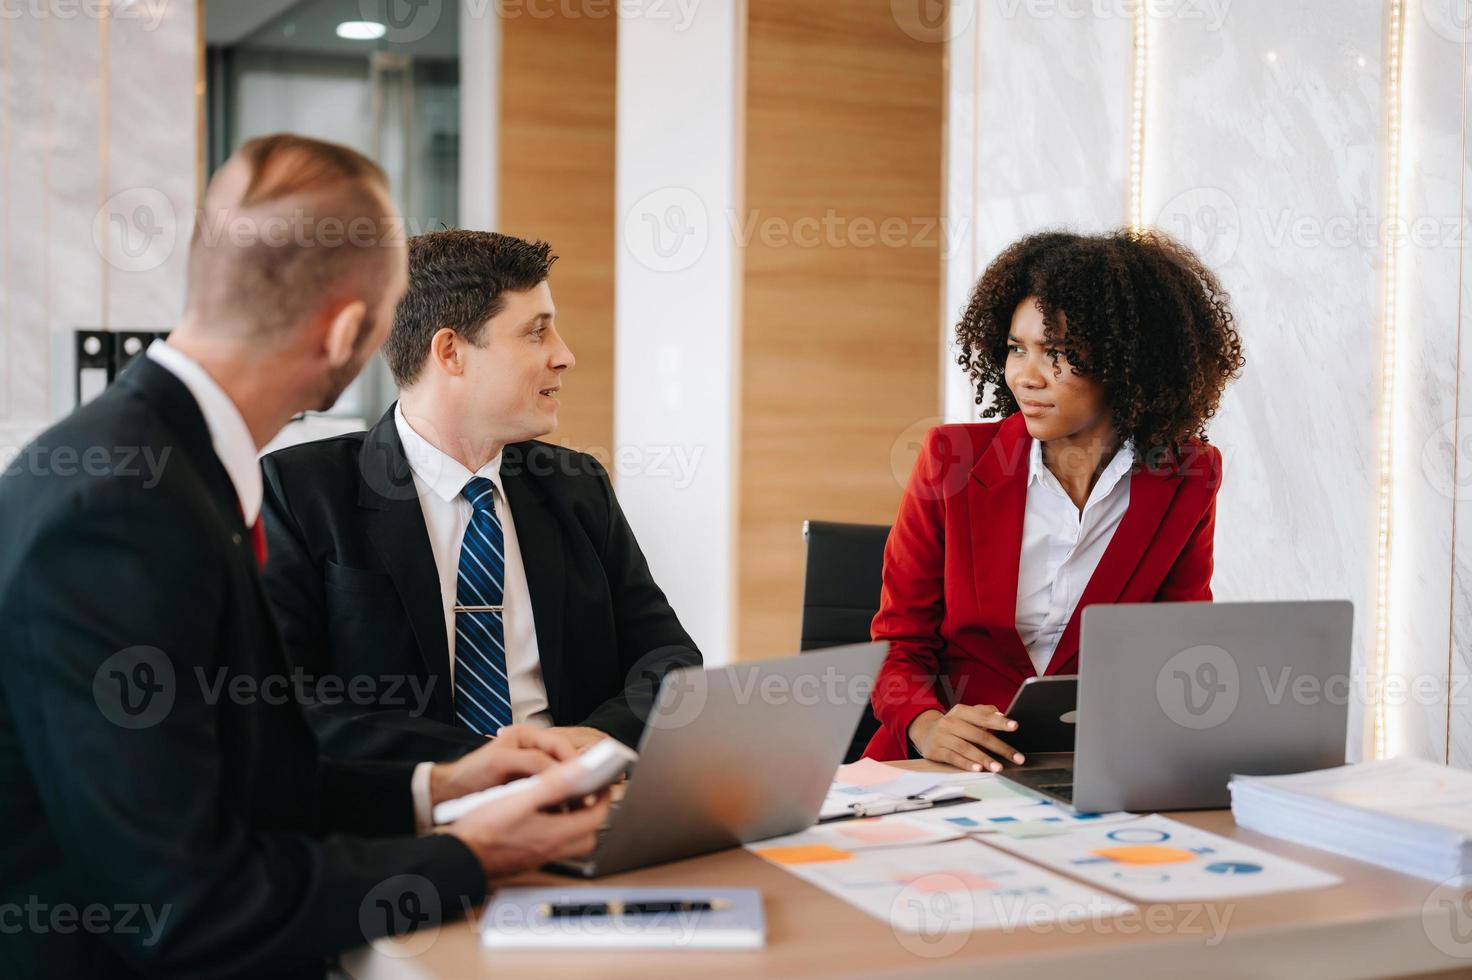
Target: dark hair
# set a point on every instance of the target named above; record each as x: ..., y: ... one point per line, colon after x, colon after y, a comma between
x: 1143, y: 317
x: 311, y: 216
x: 456, y: 280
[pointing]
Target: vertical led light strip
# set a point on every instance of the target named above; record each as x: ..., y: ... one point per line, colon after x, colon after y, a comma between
x: 103, y: 150
x: 1140, y: 48
x: 1395, y: 46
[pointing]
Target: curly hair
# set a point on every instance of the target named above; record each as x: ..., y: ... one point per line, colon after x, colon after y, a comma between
x: 1142, y: 316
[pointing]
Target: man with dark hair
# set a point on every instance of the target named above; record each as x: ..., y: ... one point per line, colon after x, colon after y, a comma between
x: 447, y: 546
x: 164, y: 810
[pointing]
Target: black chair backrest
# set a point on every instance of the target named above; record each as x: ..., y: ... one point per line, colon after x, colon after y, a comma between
x: 840, y: 595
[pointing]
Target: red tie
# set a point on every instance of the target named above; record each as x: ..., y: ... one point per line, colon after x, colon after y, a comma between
x: 257, y: 536
x: 258, y: 542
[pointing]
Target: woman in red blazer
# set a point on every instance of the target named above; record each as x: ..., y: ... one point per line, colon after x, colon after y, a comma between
x: 1106, y: 356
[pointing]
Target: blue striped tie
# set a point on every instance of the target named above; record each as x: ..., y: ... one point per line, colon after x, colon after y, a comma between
x: 482, y: 692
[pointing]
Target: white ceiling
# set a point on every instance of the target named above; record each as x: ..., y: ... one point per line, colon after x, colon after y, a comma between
x: 230, y: 21
x: 310, y: 26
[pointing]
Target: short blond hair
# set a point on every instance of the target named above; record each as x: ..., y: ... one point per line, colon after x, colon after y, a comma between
x: 311, y: 221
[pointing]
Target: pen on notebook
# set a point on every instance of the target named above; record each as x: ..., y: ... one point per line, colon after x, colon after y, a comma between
x: 580, y: 909
x: 937, y: 793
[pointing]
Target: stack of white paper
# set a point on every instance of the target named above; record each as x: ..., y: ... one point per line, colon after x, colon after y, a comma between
x: 1406, y: 814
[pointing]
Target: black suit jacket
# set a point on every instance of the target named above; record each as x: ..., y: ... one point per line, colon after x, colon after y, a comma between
x: 354, y: 584
x: 149, y: 762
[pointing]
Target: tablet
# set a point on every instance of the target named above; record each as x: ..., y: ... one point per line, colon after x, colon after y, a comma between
x: 1046, y: 710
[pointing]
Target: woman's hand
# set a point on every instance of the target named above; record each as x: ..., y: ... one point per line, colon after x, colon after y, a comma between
x: 962, y: 737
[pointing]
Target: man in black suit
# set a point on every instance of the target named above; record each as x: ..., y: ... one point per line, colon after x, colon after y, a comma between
x: 163, y: 809
x: 382, y: 555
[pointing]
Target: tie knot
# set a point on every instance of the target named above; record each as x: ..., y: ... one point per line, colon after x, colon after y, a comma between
x: 480, y: 492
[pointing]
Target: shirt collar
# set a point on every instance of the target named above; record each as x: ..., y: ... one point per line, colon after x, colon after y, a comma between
x: 1118, y: 467
x: 438, y: 470
x: 228, y: 432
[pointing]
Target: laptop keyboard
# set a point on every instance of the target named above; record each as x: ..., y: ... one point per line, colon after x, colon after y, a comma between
x: 1054, y: 782
x: 1063, y: 791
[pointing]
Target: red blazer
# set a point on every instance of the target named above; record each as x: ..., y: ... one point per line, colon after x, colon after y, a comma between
x: 949, y: 603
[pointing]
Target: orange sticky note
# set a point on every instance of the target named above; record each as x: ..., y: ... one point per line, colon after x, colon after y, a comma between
x: 803, y: 854
x: 1146, y: 854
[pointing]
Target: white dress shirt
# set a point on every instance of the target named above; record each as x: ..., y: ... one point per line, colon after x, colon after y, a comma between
x: 228, y: 432
x: 1061, y: 547
x: 439, y: 479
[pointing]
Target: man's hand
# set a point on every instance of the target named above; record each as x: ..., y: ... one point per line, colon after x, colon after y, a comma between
x: 518, y: 832
x: 580, y: 737
x: 959, y: 737
x: 517, y: 751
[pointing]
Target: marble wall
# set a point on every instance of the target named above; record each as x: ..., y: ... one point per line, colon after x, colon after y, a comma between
x: 1453, y: 43
x: 1036, y: 137
x: 1267, y: 151
x: 98, y: 176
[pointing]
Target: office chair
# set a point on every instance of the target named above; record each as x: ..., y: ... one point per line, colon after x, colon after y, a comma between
x: 840, y: 595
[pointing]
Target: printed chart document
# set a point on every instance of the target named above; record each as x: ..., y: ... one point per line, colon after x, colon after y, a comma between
x: 959, y: 886
x: 1156, y: 859
x: 1014, y: 816
x: 862, y: 834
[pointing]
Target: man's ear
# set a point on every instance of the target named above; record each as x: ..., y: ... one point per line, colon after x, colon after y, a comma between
x: 446, y: 351
x: 343, y: 331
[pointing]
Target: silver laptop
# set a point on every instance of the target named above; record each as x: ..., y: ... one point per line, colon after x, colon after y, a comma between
x: 1175, y: 698
x: 735, y: 754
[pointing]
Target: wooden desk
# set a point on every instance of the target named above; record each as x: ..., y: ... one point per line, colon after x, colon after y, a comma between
x: 1375, y: 924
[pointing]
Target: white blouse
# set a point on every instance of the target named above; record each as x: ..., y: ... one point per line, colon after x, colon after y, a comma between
x: 1061, y: 547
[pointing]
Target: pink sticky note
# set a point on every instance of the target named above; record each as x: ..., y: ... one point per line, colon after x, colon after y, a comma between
x: 949, y: 881
x: 882, y: 831
x: 867, y: 772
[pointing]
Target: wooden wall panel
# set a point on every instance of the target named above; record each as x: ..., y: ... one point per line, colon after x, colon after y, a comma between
x: 842, y: 282
x: 556, y: 183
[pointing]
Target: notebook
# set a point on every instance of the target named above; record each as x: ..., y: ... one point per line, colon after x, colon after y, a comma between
x: 574, y: 917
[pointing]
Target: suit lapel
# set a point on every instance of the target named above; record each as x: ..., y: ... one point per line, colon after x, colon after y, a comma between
x: 998, y: 506
x: 1150, y: 496
x: 539, y: 539
x: 181, y: 412
x: 395, y: 524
